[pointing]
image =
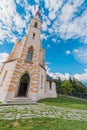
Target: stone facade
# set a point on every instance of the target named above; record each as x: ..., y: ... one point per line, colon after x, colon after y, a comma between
x: 17, y: 65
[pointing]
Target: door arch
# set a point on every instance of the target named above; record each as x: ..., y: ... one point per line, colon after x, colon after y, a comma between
x: 23, y: 85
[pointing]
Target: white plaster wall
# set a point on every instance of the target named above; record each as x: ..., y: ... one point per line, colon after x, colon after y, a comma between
x: 17, y: 50
x: 51, y: 93
x: 36, y: 20
x: 0, y: 67
x: 33, y: 42
x: 41, y: 57
x: 41, y: 91
x: 31, y: 30
x: 8, y: 67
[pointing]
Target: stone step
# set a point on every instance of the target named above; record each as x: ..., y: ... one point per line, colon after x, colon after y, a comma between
x: 20, y: 101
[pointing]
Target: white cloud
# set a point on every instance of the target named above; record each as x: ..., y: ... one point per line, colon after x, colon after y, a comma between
x: 51, y: 31
x: 48, y: 63
x: 44, y: 36
x: 54, y: 40
x: 57, y: 74
x: 11, y: 21
x: 81, y: 55
x: 37, y: 1
x: 67, y: 25
x: 46, y: 21
x: 66, y: 16
x: 75, y: 50
x: 48, y: 46
x: 62, y: 76
x: 85, y: 70
x: 44, y: 26
x: 53, y: 6
x: 52, y: 15
x: 80, y: 77
x: 8, y: 16
x: 68, y: 52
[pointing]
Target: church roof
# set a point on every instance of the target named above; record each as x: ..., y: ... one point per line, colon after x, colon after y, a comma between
x: 38, y: 12
x: 49, y: 78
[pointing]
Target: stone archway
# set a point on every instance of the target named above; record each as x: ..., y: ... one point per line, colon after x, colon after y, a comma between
x: 23, y: 85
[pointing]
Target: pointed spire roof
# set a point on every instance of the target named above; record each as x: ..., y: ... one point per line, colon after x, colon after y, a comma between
x: 38, y: 12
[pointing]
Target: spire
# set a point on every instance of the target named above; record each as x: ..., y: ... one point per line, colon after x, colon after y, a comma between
x: 38, y: 12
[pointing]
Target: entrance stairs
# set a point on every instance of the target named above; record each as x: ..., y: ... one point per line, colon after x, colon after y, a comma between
x: 20, y: 101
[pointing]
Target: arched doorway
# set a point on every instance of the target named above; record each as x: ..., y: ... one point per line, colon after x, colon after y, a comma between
x: 23, y: 85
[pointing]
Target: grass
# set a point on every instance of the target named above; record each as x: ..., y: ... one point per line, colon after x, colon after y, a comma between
x: 49, y: 123
x: 62, y: 101
x: 43, y: 124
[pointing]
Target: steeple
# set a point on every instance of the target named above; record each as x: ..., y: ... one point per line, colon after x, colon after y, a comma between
x: 38, y: 12
x: 37, y: 15
x: 35, y: 27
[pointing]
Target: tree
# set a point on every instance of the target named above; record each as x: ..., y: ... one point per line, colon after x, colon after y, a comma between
x: 70, y: 80
x: 71, y: 87
x: 58, y: 85
x: 78, y: 87
x: 66, y: 87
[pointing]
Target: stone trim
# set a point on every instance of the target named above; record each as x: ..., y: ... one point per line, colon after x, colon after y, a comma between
x: 17, y: 87
x: 43, y: 67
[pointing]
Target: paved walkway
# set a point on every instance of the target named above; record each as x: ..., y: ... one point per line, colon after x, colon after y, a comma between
x: 41, y: 110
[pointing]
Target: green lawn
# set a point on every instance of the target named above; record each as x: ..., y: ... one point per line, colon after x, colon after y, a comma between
x: 43, y: 124
x: 62, y: 101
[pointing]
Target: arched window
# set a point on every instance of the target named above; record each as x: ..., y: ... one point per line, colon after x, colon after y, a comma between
x: 35, y: 25
x: 30, y: 54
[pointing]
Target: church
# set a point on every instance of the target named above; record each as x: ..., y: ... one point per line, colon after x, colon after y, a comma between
x: 23, y: 74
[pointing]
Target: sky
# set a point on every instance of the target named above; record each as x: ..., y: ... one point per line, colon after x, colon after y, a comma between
x: 63, y: 34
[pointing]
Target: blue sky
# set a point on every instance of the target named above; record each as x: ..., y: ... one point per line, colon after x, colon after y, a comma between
x: 64, y: 33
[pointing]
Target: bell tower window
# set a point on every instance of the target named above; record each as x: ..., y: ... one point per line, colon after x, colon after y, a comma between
x: 36, y: 24
x: 33, y: 36
x: 30, y: 54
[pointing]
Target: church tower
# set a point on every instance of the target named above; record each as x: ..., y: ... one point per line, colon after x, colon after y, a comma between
x: 24, y: 73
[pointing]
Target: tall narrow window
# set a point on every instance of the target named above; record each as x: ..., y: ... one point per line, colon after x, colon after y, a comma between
x: 42, y: 82
x: 33, y: 36
x: 30, y: 54
x: 35, y: 25
x: 50, y: 85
